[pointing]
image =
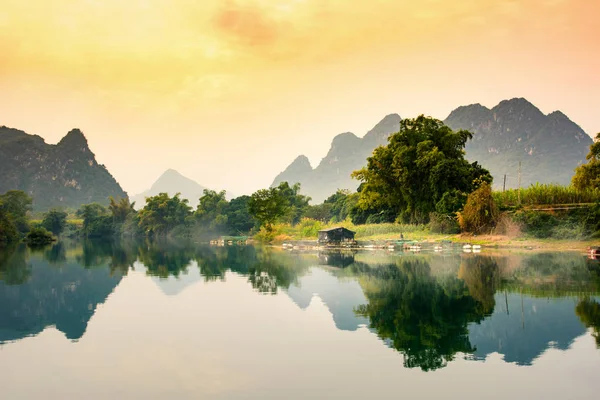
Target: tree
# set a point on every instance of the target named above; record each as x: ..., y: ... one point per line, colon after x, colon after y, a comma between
x: 121, y: 209
x: 587, y: 176
x: 267, y: 206
x: 55, y: 221
x: 16, y: 204
x: 8, y: 230
x: 163, y: 213
x: 480, y: 211
x: 297, y: 203
x: 210, y: 213
x: 239, y: 219
x: 422, y: 163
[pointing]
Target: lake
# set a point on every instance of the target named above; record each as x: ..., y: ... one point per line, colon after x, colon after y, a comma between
x: 130, y: 320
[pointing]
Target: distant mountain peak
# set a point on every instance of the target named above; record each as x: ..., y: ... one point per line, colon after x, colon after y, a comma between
x: 301, y: 161
x: 519, y: 106
x: 382, y: 130
x: 171, y: 182
x: 74, y: 140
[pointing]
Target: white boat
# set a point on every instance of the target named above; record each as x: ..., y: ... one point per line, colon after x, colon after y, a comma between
x: 467, y: 246
x: 476, y: 247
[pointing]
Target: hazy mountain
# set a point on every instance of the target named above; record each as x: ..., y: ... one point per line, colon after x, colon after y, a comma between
x: 548, y: 146
x: 347, y: 153
x: 172, y: 182
x: 61, y: 175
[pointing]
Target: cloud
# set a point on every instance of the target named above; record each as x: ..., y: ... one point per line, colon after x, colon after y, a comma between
x: 246, y: 24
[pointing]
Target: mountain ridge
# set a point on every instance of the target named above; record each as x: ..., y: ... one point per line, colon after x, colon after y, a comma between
x: 549, y: 147
x: 65, y: 174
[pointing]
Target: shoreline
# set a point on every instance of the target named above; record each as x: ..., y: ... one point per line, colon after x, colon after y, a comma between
x: 485, y: 241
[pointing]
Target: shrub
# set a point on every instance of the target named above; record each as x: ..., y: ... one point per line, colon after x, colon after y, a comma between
x: 443, y: 223
x: 39, y: 237
x: 480, y: 211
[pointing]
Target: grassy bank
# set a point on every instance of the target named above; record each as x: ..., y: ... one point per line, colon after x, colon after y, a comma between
x: 530, y: 229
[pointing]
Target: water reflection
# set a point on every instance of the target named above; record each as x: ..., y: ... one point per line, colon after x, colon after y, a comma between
x: 35, y: 292
x: 429, y: 308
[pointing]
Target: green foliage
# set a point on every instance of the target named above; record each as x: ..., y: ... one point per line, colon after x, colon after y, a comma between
x: 587, y: 176
x: 15, y: 204
x: 211, y: 211
x: 163, y: 213
x: 97, y: 222
x: 588, y: 311
x: 319, y: 212
x: 310, y: 228
x: 55, y: 221
x: 267, y: 206
x: 480, y: 212
x: 39, y: 237
x: 121, y: 209
x: 421, y: 164
x: 239, y: 219
x: 443, y: 223
x: 8, y: 230
x: 296, y: 204
x: 575, y: 224
x: 542, y: 194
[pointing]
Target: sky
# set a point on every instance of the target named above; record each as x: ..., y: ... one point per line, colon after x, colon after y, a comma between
x: 229, y: 92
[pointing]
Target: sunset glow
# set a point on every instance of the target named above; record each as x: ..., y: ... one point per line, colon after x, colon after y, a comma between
x: 182, y: 81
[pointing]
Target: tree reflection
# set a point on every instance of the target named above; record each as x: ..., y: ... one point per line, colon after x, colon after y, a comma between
x: 14, y: 268
x: 588, y: 311
x: 162, y: 261
x: 417, y: 314
x: 482, y: 277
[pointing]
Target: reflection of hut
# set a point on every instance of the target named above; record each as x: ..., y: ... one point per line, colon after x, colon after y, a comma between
x: 336, y: 236
x: 339, y: 259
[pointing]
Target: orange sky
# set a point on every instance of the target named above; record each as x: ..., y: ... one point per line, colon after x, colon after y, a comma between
x: 230, y: 92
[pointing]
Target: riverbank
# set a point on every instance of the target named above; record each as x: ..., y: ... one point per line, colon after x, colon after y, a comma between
x: 486, y: 241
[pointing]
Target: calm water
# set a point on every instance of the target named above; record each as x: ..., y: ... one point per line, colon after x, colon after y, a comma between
x: 139, y: 320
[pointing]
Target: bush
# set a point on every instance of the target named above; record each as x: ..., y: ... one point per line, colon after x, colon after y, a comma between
x: 442, y: 223
x: 39, y: 237
x: 480, y: 212
x: 309, y: 228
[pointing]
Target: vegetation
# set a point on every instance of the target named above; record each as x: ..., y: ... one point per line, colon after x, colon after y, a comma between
x: 480, y: 212
x: 587, y: 176
x: 422, y: 170
x: 14, y: 207
x: 39, y: 237
x: 55, y: 221
x: 540, y: 194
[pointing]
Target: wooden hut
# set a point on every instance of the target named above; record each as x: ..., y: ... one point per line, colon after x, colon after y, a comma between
x: 336, y: 236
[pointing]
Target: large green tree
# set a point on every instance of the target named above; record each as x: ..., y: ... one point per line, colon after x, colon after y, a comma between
x: 163, y: 213
x: 296, y: 203
x: 239, y: 219
x: 422, y: 170
x: 211, y: 211
x: 587, y: 176
x: 267, y: 206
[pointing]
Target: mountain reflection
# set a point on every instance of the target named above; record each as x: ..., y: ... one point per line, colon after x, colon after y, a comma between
x: 429, y: 308
x: 36, y: 293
